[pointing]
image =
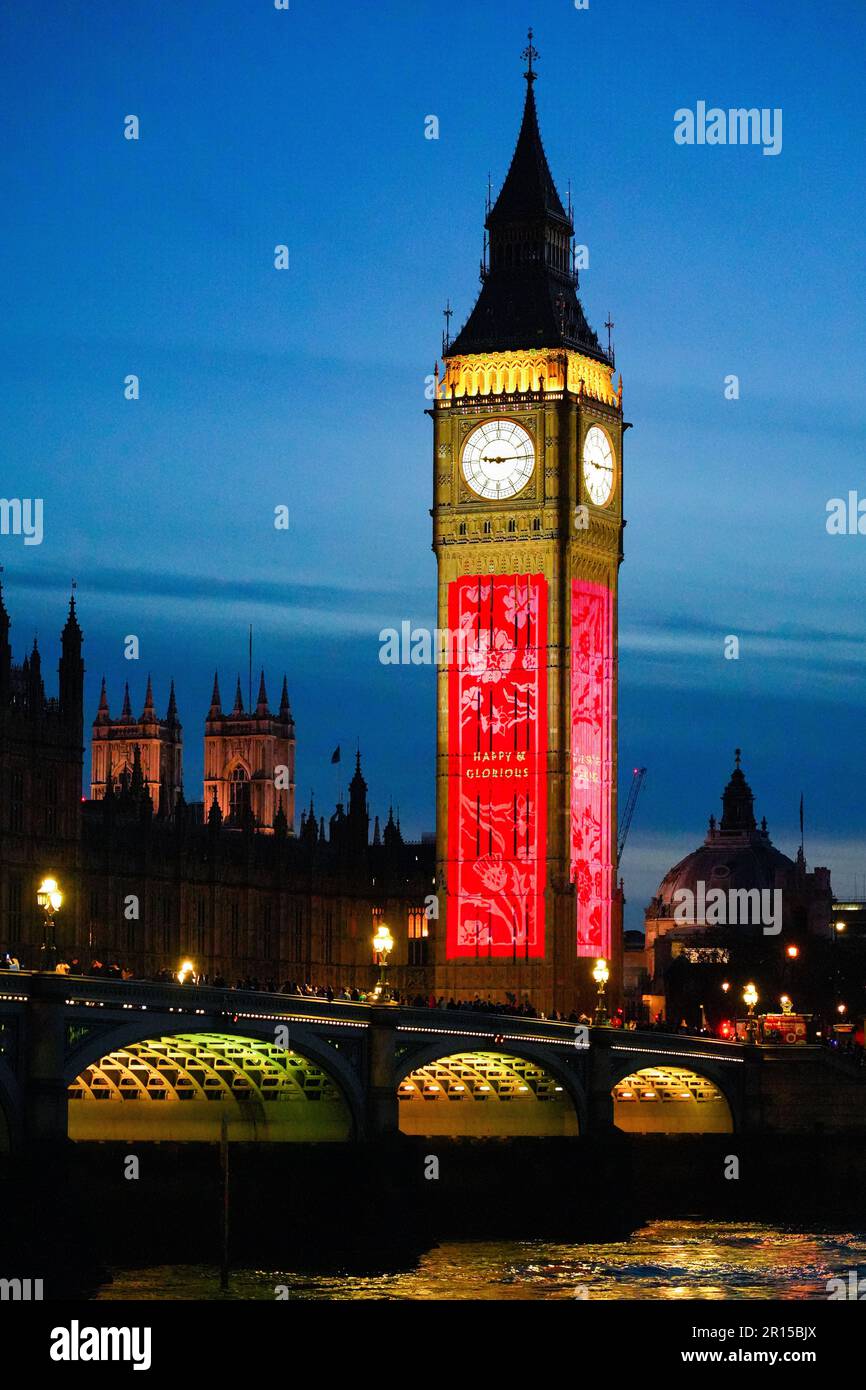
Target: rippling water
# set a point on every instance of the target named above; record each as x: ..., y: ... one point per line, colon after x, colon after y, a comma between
x: 664, y: 1260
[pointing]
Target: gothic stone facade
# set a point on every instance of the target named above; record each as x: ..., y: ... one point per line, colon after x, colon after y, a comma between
x: 147, y: 881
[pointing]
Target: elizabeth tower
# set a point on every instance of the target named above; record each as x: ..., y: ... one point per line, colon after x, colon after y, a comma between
x: 527, y: 530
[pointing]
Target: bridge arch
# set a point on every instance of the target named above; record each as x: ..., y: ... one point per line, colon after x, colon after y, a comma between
x: 487, y: 1092
x: 655, y: 1095
x: 162, y: 1087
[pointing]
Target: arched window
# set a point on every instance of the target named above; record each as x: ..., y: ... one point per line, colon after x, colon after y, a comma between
x: 239, y: 793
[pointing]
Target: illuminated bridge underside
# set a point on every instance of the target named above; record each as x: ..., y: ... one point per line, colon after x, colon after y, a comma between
x: 484, y: 1095
x: 179, y: 1088
x: 670, y: 1100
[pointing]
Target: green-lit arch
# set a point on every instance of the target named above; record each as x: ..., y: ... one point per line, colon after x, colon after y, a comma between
x: 484, y: 1095
x: 178, y: 1088
x: 670, y: 1100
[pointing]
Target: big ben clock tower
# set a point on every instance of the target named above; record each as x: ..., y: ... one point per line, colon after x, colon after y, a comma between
x: 527, y: 530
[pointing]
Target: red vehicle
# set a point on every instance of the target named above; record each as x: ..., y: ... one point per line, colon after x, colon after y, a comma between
x: 784, y: 1028
x: 775, y: 1028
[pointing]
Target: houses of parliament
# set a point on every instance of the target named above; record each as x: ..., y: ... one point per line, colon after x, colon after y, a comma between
x: 149, y: 879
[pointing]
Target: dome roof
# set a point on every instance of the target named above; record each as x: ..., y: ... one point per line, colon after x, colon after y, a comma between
x: 734, y: 855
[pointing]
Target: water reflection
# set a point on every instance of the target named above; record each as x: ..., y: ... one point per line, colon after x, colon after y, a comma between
x: 664, y: 1260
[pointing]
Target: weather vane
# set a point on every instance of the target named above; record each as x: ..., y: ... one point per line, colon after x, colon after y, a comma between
x: 530, y: 53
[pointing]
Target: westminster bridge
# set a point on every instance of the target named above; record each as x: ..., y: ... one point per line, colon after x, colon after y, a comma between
x: 96, y: 1059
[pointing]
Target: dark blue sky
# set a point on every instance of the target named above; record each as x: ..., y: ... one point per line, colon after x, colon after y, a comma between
x: 306, y: 388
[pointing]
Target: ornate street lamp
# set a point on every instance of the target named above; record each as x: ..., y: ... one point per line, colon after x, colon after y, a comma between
x: 50, y: 899
x: 383, y: 945
x: 601, y: 975
x: 750, y: 999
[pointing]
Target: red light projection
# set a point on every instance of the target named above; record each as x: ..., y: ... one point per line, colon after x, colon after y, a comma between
x: 592, y: 763
x: 497, y: 754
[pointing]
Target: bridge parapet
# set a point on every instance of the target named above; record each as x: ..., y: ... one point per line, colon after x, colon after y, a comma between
x: 53, y: 1027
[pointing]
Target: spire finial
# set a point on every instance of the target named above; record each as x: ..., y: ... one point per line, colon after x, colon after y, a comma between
x: 610, y: 326
x: 447, y: 313
x: 530, y: 53
x: 738, y: 752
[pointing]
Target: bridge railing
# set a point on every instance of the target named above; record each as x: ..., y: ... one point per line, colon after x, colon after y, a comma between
x: 162, y: 997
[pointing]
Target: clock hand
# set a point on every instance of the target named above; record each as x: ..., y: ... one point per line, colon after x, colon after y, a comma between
x: 509, y: 458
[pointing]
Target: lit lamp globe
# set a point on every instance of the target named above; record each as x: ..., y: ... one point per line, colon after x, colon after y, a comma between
x: 601, y: 975
x: 50, y: 899
x: 186, y: 973
x: 383, y: 945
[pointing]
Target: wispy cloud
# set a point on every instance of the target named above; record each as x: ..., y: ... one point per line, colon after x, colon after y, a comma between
x: 202, y: 589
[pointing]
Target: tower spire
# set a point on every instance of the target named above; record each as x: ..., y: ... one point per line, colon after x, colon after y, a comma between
x: 149, y: 712
x: 215, y: 711
x: 528, y: 295
x: 285, y: 708
x: 262, y: 701
x: 171, y: 712
x: 103, y: 714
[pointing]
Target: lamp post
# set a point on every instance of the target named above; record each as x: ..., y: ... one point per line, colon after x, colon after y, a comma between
x: 601, y: 975
x: 383, y: 945
x: 838, y: 928
x: 750, y: 998
x: 50, y: 899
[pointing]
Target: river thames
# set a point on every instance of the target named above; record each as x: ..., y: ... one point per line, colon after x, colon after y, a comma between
x: 664, y: 1260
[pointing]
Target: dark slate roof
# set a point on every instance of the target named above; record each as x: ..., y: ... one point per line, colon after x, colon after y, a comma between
x: 528, y: 190
x: 526, y: 308
x: 531, y: 304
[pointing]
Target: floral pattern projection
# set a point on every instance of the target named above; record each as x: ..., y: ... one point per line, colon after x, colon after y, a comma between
x: 592, y: 763
x: 497, y: 756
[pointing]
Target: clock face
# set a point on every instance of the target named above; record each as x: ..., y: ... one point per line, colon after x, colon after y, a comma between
x: 498, y: 459
x: 598, y: 465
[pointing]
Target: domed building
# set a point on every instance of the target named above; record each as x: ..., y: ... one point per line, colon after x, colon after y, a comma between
x: 733, y: 896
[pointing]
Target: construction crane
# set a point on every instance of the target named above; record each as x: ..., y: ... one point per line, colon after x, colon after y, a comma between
x: 634, y: 792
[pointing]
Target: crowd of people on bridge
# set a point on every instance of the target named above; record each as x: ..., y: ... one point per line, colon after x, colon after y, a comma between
x: 511, y: 1005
